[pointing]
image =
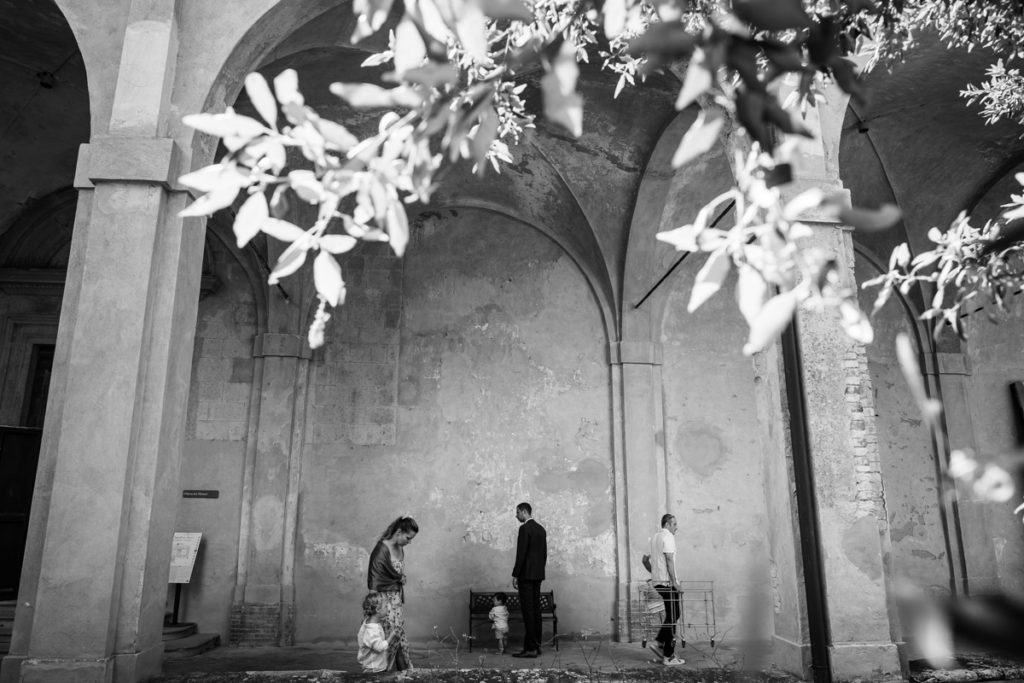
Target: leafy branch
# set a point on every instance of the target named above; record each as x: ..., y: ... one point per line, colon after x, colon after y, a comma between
x: 457, y: 95
x: 969, y: 269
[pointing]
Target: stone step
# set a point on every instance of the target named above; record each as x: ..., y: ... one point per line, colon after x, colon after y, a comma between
x: 177, y: 631
x: 194, y: 644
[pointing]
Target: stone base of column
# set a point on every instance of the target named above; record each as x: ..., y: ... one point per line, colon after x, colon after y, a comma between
x: 34, y: 670
x: 794, y: 658
x: 10, y: 668
x: 622, y: 629
x: 877, y: 662
x: 137, y: 666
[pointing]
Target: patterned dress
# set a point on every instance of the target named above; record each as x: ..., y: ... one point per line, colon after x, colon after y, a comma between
x: 393, y: 620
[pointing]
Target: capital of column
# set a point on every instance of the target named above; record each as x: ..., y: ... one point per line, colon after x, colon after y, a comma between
x: 117, y: 159
x: 634, y: 353
x: 281, y: 345
x: 819, y: 216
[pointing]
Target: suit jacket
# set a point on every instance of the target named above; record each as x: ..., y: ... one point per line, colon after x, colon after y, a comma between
x: 531, y: 552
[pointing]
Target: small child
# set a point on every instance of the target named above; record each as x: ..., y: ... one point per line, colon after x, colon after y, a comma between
x: 499, y: 615
x: 373, y: 644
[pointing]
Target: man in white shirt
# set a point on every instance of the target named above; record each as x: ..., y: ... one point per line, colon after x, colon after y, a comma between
x: 663, y: 576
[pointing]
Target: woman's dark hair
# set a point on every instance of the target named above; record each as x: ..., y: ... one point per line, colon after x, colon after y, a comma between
x: 407, y: 525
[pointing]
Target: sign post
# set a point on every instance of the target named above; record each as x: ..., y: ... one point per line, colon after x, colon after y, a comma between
x: 184, y: 549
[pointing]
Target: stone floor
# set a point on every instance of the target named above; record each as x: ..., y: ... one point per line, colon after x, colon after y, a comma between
x: 593, y: 660
x: 590, y: 659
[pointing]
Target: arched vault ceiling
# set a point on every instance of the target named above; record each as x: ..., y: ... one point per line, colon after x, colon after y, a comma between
x: 918, y: 143
x: 44, y: 105
x: 579, y: 191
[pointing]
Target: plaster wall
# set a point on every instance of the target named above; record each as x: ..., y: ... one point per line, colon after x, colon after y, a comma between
x: 906, y: 455
x: 216, y: 433
x: 996, y: 359
x: 715, y: 478
x: 500, y: 394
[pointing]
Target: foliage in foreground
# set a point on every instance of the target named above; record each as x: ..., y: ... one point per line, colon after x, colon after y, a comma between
x: 460, y: 68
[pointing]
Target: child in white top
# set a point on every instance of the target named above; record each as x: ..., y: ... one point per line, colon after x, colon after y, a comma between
x: 499, y: 618
x: 373, y: 643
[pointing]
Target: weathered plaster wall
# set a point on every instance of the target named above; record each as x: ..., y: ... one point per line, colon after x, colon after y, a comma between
x: 500, y: 390
x: 217, y: 426
x: 906, y: 453
x: 996, y: 359
x: 715, y: 479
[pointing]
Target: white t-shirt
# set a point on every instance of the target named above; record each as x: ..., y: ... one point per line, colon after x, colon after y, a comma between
x: 662, y: 542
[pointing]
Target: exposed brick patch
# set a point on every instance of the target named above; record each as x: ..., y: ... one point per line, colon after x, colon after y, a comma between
x: 255, y: 625
x: 860, y: 405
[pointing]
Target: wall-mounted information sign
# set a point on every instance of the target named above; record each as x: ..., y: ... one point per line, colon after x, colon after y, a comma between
x: 183, y: 556
x: 199, y: 493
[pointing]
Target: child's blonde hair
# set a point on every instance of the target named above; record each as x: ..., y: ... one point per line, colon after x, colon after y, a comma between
x: 371, y: 604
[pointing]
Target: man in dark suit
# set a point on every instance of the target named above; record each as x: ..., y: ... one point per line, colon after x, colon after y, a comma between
x: 531, y: 556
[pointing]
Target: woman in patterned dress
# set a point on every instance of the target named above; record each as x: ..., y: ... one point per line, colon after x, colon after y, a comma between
x: 386, y: 575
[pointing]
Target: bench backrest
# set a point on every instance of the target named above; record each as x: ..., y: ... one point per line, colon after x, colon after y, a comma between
x: 482, y: 602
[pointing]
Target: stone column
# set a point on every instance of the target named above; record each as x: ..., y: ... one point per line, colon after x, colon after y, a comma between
x: 262, y: 612
x: 644, y: 482
x: 101, y: 529
x: 863, y: 628
x: 864, y: 631
x: 790, y: 635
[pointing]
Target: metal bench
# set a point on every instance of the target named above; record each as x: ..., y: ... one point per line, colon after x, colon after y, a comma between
x: 481, y: 602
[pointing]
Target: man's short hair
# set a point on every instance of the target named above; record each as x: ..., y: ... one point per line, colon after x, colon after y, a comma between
x: 666, y: 518
x: 525, y: 507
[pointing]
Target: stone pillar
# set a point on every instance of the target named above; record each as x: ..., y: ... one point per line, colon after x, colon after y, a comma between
x: 790, y: 636
x: 644, y: 482
x: 92, y: 608
x: 863, y: 627
x: 262, y: 612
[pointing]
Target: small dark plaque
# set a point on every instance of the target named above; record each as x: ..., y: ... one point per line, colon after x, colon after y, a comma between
x: 194, y: 493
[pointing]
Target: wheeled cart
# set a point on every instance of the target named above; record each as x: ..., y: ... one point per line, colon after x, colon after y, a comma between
x: 697, y: 612
x: 646, y: 612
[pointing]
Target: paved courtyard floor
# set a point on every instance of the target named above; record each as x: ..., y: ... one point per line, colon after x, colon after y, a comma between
x: 592, y: 659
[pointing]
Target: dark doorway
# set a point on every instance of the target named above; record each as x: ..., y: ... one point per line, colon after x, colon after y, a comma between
x: 38, y: 388
x: 19, y: 456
